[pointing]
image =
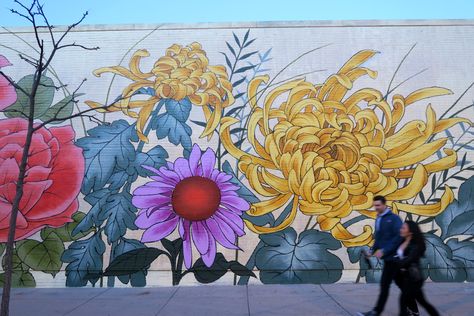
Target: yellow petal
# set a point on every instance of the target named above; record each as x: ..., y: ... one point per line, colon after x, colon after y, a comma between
x: 349, y: 240
x: 418, y: 181
x: 429, y: 209
x: 268, y: 206
x: 286, y: 222
x: 237, y: 153
x: 442, y: 164
x: 417, y: 155
x: 426, y: 93
x: 356, y: 60
x: 442, y: 125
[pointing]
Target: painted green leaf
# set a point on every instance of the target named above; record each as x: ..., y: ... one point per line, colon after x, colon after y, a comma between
x: 17, y: 264
x: 464, y: 251
x: 42, y: 256
x: 439, y: 260
x: 43, y: 100
x: 63, y: 108
x: 20, y: 279
x: 290, y: 259
x: 65, y: 233
x: 458, y: 217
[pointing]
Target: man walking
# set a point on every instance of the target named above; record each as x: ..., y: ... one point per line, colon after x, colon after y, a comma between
x: 387, y: 240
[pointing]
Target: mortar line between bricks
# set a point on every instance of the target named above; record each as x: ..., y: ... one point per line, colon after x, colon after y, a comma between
x: 87, y: 301
x: 166, y: 303
x: 335, y: 301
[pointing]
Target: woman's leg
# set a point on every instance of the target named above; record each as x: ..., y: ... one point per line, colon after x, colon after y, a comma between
x: 420, y: 297
x: 407, y: 298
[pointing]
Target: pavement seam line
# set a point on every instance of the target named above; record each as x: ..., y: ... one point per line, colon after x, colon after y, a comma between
x: 92, y: 298
x: 167, y: 301
x: 335, y: 301
x: 248, y: 301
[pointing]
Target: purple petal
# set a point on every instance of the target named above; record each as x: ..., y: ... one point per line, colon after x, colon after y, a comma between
x: 200, y: 237
x: 144, y: 220
x: 194, y: 158
x: 184, y: 231
x: 153, y: 188
x: 154, y: 170
x: 208, y: 160
x: 223, y: 177
x: 160, y: 230
x: 227, y: 187
x: 169, y: 175
x: 181, y: 167
x: 234, y: 202
x: 222, y: 233
x: 214, y: 174
x: 147, y: 201
x: 231, y: 219
x: 209, y: 257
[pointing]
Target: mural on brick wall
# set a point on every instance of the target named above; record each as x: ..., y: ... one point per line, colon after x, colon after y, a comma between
x: 277, y: 150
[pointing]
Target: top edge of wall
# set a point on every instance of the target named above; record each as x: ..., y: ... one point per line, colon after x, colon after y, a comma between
x: 262, y: 24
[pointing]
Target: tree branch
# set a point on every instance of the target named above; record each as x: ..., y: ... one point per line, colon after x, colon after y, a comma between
x: 13, y: 83
x: 78, y: 45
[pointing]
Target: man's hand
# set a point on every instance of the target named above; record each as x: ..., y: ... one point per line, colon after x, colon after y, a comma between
x: 378, y: 254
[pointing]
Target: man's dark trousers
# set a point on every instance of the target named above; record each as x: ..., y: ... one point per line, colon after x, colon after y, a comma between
x: 389, y: 274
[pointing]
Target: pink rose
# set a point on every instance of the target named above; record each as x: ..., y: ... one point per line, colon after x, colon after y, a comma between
x: 7, y: 91
x: 53, y: 177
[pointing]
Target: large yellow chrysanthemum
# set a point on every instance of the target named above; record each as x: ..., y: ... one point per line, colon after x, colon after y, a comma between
x: 332, y: 153
x: 182, y: 72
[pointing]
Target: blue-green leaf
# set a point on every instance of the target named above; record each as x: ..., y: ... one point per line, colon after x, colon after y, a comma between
x: 372, y: 273
x: 120, y: 215
x: 155, y: 157
x: 84, y: 258
x: 458, y: 217
x: 440, y: 263
x: 464, y: 251
x: 180, y: 110
x: 286, y: 259
x: 232, y: 50
x: 177, y: 132
x: 137, y: 279
x: 105, y: 148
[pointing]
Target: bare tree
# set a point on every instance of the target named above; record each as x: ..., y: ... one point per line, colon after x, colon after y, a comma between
x: 49, y: 42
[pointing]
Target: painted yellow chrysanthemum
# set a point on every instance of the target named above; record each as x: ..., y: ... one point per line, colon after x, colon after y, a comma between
x: 182, y: 72
x: 331, y: 153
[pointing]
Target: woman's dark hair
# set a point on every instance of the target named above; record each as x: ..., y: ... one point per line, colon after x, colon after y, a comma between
x: 417, y: 235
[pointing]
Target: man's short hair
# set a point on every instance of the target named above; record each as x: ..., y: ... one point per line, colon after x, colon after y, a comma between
x: 380, y: 198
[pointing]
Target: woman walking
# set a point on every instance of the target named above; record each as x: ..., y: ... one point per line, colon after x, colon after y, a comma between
x: 409, y: 254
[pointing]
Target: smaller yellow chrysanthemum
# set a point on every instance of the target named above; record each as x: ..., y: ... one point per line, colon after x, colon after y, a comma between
x: 182, y: 72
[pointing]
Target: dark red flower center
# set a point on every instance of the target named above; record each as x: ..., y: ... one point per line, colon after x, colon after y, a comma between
x: 196, y: 198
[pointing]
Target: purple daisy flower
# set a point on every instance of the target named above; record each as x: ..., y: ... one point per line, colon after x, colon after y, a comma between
x: 195, y: 197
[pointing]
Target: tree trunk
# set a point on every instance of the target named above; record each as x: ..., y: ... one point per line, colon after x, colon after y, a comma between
x: 16, y: 202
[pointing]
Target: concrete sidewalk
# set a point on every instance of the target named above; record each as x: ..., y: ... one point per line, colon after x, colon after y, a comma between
x: 327, y: 300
